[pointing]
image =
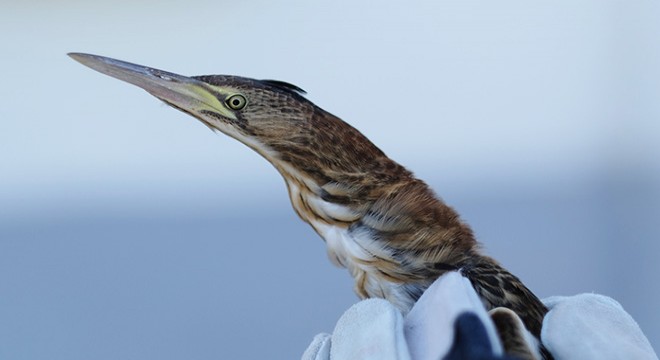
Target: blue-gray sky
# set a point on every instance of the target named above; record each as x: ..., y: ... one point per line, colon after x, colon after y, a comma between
x: 128, y: 230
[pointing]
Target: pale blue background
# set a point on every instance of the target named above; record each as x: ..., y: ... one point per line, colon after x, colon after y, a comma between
x: 130, y: 231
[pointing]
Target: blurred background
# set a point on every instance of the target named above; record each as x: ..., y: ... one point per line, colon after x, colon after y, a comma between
x: 130, y: 231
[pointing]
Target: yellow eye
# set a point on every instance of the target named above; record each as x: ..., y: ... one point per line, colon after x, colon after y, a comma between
x: 236, y: 102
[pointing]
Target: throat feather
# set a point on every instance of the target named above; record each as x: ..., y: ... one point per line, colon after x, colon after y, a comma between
x: 353, y: 245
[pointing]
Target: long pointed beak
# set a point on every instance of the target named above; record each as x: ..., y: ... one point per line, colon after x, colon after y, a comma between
x: 185, y: 93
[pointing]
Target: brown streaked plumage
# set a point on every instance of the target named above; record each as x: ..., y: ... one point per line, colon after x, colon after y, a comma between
x: 392, y: 233
x: 510, y: 330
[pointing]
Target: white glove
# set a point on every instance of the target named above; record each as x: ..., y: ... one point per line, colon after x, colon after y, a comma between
x: 591, y: 326
x: 584, y: 327
x: 375, y: 329
x: 370, y: 329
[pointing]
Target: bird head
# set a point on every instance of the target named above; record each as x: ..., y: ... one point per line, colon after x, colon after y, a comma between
x: 304, y: 142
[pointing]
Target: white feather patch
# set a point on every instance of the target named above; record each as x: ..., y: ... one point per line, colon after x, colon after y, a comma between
x: 330, y: 211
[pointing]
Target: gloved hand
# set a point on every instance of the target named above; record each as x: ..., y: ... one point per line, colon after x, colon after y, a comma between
x: 370, y: 329
x: 592, y: 326
x: 449, y: 322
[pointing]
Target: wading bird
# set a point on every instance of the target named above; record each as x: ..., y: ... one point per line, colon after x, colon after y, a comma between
x: 384, y: 225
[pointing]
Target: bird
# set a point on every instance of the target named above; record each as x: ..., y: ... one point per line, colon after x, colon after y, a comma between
x: 387, y: 227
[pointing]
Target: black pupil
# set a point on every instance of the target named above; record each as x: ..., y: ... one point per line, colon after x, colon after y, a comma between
x: 235, y: 102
